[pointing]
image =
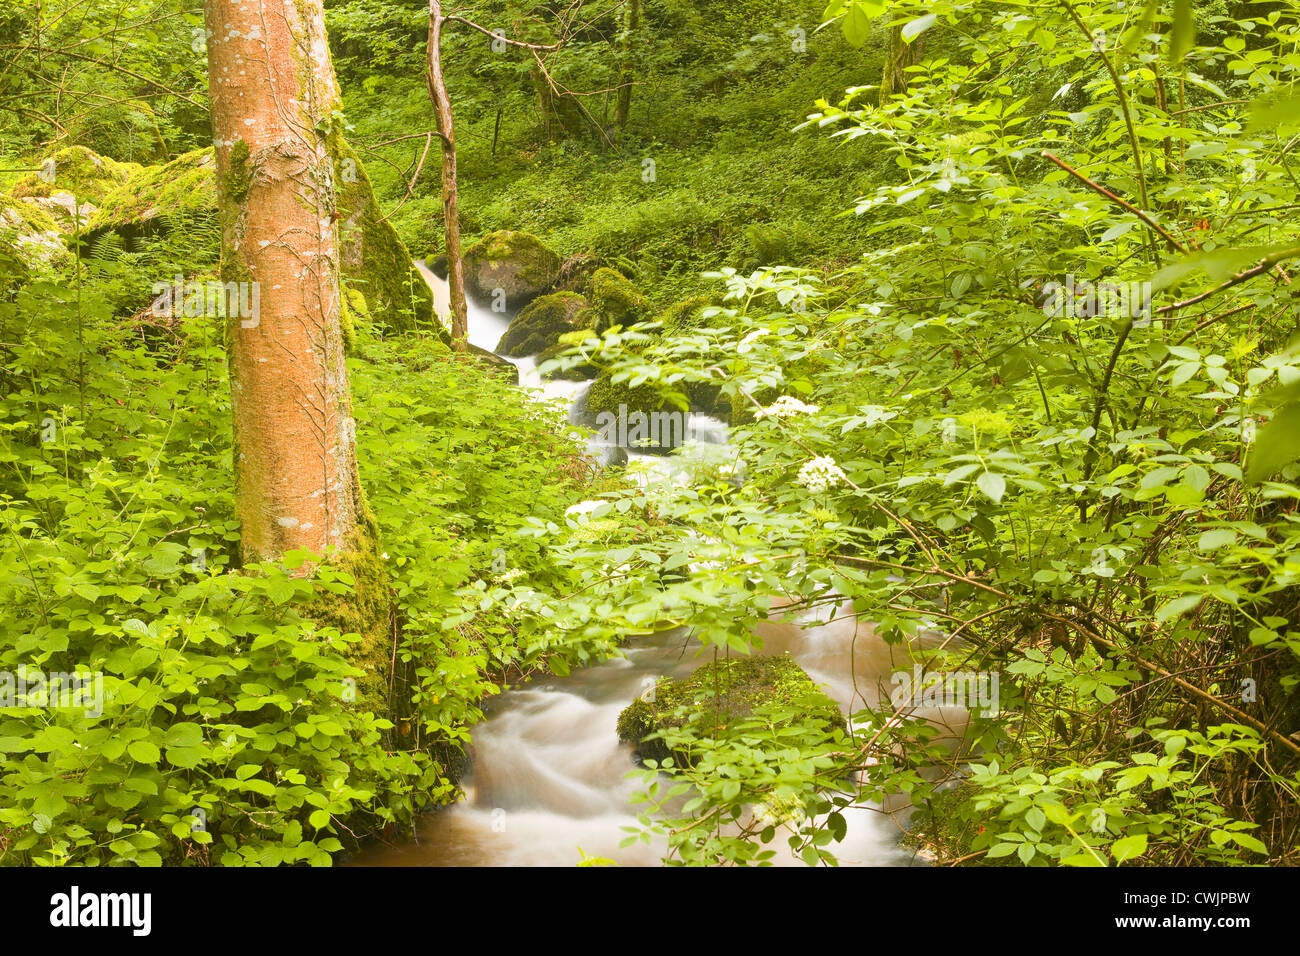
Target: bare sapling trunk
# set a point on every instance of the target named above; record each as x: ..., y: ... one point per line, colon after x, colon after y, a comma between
x: 450, y: 200
x: 899, y: 55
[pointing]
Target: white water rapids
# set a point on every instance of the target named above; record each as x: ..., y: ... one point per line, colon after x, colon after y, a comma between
x: 548, y: 775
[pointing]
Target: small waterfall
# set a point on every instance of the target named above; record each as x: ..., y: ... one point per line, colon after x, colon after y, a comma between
x: 485, y: 329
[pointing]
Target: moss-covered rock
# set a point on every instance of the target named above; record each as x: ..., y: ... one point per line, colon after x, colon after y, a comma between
x: 516, y: 263
x: 944, y: 828
x: 579, y: 373
x: 78, y: 171
x: 606, y: 395
x: 542, y: 322
x: 615, y: 299
x: 353, y: 313
x: 182, y: 195
x: 576, y: 271
x: 685, y: 315
x: 720, y: 695
x: 30, y: 243
x: 184, y: 189
x: 371, y: 253
x: 69, y: 213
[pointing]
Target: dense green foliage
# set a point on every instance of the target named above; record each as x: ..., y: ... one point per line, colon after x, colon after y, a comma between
x: 220, y: 695
x: 934, y: 426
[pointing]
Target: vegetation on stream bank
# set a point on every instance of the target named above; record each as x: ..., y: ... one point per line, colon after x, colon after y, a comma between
x: 1000, y: 304
x: 717, y: 697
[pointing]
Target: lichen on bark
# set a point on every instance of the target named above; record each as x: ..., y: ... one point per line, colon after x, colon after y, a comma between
x: 297, y: 485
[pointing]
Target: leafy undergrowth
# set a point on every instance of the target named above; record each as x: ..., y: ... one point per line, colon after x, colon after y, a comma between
x: 217, y: 723
x: 972, y: 431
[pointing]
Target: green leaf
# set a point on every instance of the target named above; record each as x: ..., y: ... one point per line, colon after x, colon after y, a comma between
x: 142, y: 751
x: 1129, y: 847
x: 183, y: 735
x: 1178, y: 607
x: 1183, y: 34
x: 837, y: 825
x: 856, y: 25
x: 992, y: 484
x: 1277, y: 445
x: 1081, y: 859
x: 916, y: 27
x: 1217, y: 538
x: 1249, y: 842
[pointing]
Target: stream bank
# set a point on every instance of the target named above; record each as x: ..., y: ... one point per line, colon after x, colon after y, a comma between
x: 548, y: 778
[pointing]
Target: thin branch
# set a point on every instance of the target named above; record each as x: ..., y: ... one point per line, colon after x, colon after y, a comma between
x: 1265, y: 264
x: 1102, y: 190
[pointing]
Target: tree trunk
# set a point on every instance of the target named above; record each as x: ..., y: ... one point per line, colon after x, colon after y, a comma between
x: 898, y: 58
x: 450, y: 201
x: 631, y: 25
x: 273, y: 95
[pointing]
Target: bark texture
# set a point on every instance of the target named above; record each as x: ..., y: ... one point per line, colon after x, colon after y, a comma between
x: 899, y: 56
x: 631, y: 28
x: 274, y: 99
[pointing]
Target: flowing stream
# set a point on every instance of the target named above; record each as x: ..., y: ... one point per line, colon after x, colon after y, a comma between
x: 548, y: 776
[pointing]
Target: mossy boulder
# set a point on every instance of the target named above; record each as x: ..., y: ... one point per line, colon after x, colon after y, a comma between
x: 945, y: 827
x: 685, y: 315
x: 615, y: 299
x: 516, y: 263
x: 31, y: 243
x: 182, y: 195
x: 69, y: 213
x: 371, y: 253
x: 579, y: 373
x: 542, y: 322
x: 576, y: 271
x: 79, y: 172
x: 606, y: 395
x: 354, y: 313
x: 718, y: 697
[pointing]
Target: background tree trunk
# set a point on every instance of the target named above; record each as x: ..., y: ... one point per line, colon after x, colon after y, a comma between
x: 273, y: 99
x: 631, y: 24
x: 450, y: 200
x: 899, y: 56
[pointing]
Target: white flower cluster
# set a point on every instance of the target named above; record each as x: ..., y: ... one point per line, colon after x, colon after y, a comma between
x: 776, y: 811
x: 509, y: 577
x: 820, y: 474
x: 788, y: 405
